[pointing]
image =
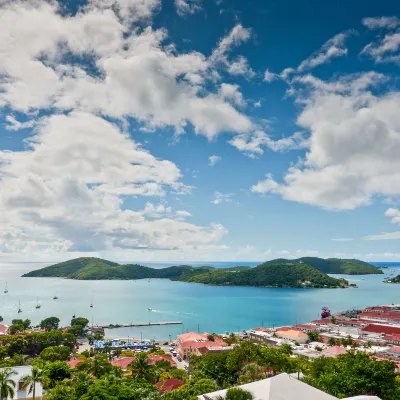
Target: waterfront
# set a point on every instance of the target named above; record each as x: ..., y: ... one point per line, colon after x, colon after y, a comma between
x: 211, y: 308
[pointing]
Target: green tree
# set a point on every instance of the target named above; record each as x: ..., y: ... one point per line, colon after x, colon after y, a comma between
x: 50, y: 323
x: 36, y: 377
x: 99, y: 366
x: 26, y: 323
x: 80, y: 321
x: 141, y: 368
x: 3, y: 352
x: 62, y: 391
x: 15, y: 328
x: 1, y: 319
x: 82, y: 381
x: 332, y: 341
x: 56, y: 371
x: 7, y: 384
x: 314, y: 336
x: 56, y: 353
x: 17, y: 346
x: 236, y: 394
x: 250, y: 373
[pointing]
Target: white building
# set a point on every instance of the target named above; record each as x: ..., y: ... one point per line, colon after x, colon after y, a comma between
x: 282, y: 387
x: 23, y: 394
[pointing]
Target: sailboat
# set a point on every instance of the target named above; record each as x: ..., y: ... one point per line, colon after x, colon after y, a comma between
x: 19, y: 307
x: 37, y: 303
x: 55, y: 298
x: 6, y: 289
x: 91, y: 304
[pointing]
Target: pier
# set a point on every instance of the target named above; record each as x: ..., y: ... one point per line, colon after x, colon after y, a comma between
x: 132, y: 325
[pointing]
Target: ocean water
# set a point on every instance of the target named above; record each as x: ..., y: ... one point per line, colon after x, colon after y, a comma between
x: 208, y: 308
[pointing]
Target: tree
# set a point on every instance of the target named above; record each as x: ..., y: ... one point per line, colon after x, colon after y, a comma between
x: 64, y: 391
x: 141, y: 368
x: 250, y: 373
x: 7, y: 385
x: 331, y: 341
x: 26, y: 323
x: 55, y: 353
x: 236, y: 394
x: 79, y: 321
x: 1, y: 319
x: 3, y: 352
x: 37, y: 376
x: 314, y: 336
x: 287, y: 349
x: 56, y: 371
x: 99, y: 366
x: 50, y: 324
x: 15, y: 328
x: 17, y: 346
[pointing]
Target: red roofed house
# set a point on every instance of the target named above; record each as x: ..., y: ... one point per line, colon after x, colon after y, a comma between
x: 4, y: 329
x: 387, y: 329
x: 123, y: 362
x: 334, y: 351
x: 324, y: 321
x: 168, y: 385
x: 73, y: 362
x: 391, y: 317
x: 306, y: 327
x: 393, y: 338
x: 193, y: 341
x: 292, y: 334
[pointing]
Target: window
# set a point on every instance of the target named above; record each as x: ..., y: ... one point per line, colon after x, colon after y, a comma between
x: 21, y: 385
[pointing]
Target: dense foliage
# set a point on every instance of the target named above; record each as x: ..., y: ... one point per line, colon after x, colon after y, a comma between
x: 333, y: 265
x: 267, y: 274
x: 395, y: 279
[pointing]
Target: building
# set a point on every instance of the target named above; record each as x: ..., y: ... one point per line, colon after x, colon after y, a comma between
x: 382, y: 329
x: 211, y: 350
x: 74, y: 361
x: 168, y: 385
x: 192, y: 341
x: 4, y: 329
x: 258, y: 336
x: 20, y: 393
x: 293, y: 335
x: 124, y: 362
x: 393, y: 339
x: 306, y: 327
x: 334, y: 351
x: 282, y: 387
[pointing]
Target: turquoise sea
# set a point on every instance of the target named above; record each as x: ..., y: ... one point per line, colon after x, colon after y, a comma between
x: 209, y: 308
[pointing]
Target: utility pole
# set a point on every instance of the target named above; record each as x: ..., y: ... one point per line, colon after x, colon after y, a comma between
x: 188, y: 356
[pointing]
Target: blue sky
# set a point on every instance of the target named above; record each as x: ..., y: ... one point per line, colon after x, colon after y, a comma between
x: 156, y: 130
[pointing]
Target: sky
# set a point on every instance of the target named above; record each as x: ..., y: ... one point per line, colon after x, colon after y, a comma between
x: 191, y: 130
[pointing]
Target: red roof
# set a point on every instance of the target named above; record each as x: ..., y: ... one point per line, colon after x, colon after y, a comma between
x: 73, y: 362
x: 125, y: 361
x: 335, y: 351
x: 393, y: 315
x: 395, y: 349
x: 284, y: 328
x: 305, y: 326
x: 392, y: 337
x: 196, y: 345
x: 262, y: 329
x: 168, y: 385
x: 375, y: 328
x: 324, y: 321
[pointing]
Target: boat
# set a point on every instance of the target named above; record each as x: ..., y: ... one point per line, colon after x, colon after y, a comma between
x: 37, y: 303
x: 91, y: 305
x: 149, y: 309
x: 55, y: 298
x: 19, y: 307
x: 73, y: 317
x: 6, y: 289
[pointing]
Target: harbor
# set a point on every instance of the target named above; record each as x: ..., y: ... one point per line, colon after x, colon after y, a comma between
x: 132, y: 325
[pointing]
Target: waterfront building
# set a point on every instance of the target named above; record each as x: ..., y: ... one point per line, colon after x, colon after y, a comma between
x: 20, y: 393
x: 293, y: 335
x: 192, y: 341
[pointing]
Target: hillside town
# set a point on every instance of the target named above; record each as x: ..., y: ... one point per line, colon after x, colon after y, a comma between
x: 171, y: 369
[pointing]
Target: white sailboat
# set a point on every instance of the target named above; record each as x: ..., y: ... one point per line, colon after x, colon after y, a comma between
x: 6, y: 289
x: 19, y: 307
x: 37, y: 303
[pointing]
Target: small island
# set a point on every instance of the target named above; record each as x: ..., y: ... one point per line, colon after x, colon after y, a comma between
x: 288, y: 275
x: 395, y: 279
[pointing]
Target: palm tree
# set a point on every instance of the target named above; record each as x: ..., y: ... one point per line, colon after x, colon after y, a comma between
x: 7, y: 385
x: 99, y: 366
x: 37, y: 376
x: 236, y: 394
x: 141, y: 368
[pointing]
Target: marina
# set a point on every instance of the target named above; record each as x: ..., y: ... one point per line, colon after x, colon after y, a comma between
x: 132, y: 325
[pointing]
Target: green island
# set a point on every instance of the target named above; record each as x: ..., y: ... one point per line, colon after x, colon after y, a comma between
x: 333, y: 265
x: 264, y: 275
x: 395, y: 279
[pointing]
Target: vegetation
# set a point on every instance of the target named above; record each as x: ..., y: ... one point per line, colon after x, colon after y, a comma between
x: 396, y: 279
x: 333, y: 265
x: 7, y: 385
x: 267, y: 274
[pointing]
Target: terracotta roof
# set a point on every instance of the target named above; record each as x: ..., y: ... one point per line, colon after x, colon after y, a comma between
x: 324, y: 321
x: 394, y: 336
x: 375, y: 328
x: 395, y: 349
x: 168, y: 385
x: 334, y: 351
x: 305, y: 326
x: 293, y: 333
x: 197, y: 345
x: 73, y: 362
x: 283, y: 328
x: 124, y: 362
x: 261, y: 329
x: 192, y: 336
x: 3, y: 329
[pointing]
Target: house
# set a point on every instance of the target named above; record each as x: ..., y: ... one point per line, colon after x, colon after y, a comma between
x: 4, y: 329
x: 293, y: 335
x: 192, y: 341
x: 393, y: 338
x: 258, y: 336
x: 124, y: 362
x: 74, y: 361
x: 334, y: 351
x: 20, y: 393
x: 212, y: 350
x: 282, y: 387
x: 382, y: 329
x: 168, y: 385
x: 306, y: 327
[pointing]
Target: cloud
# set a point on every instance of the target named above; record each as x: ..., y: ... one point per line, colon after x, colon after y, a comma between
x: 184, y: 7
x: 342, y: 239
x: 14, y: 125
x: 394, y: 214
x: 332, y: 48
x: 212, y: 160
x: 220, y: 198
x: 37, y: 71
x: 381, y: 22
x: 269, y: 76
x: 252, y: 144
x: 231, y: 93
x: 241, y: 67
x: 257, y: 104
x: 344, y: 167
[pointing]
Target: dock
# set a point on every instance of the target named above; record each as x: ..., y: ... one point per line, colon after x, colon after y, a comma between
x: 132, y: 325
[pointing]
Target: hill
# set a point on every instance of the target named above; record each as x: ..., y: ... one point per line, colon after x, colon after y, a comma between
x: 276, y: 275
x: 333, y: 265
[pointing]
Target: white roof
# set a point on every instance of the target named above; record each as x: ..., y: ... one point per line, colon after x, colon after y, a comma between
x: 362, y: 398
x: 280, y: 387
